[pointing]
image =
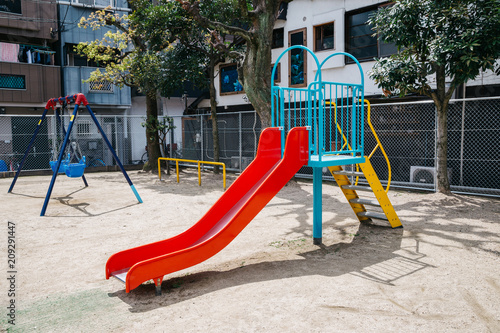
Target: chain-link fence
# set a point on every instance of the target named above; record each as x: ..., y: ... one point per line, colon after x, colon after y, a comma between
x: 407, y: 132
x: 126, y: 135
x: 238, y: 138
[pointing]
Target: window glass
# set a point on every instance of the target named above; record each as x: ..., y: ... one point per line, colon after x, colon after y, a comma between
x: 297, y: 71
x: 278, y: 37
x: 360, y: 41
x: 10, y: 6
x: 324, y: 37
x: 229, y: 83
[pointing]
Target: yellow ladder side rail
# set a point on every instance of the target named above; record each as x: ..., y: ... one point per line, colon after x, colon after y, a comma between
x: 349, y: 194
x: 342, y: 133
x: 380, y: 193
x: 198, y: 162
x: 379, y: 145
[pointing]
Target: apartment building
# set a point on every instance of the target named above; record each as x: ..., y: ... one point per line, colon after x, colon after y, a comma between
x: 29, y: 73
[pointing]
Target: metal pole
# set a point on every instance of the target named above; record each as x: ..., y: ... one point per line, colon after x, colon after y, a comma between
x: 317, y: 205
x: 462, y: 140
x: 114, y: 153
x: 435, y: 148
x: 59, y: 160
x: 118, y: 151
x: 171, y: 125
x: 37, y: 129
x: 201, y: 140
x: 60, y: 120
x: 240, y: 147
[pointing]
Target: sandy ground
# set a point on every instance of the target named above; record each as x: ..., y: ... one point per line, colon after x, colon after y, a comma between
x: 441, y: 273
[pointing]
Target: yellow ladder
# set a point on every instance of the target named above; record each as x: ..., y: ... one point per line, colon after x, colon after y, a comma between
x: 358, y: 204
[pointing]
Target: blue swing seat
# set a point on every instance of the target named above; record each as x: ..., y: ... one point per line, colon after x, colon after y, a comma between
x: 72, y: 170
x: 62, y: 167
x: 75, y: 170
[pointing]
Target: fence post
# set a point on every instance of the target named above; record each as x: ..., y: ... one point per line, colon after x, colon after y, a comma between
x: 435, y: 147
x: 239, y: 140
x: 117, y: 146
x: 462, y: 135
x: 202, y: 141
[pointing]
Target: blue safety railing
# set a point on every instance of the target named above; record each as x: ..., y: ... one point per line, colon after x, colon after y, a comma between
x: 334, y: 111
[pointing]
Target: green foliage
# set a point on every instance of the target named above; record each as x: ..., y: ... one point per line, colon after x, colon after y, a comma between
x: 141, y: 50
x: 460, y: 36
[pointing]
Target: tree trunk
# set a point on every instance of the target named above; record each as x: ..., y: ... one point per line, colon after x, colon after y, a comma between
x: 213, y: 112
x: 256, y: 70
x: 443, y: 184
x: 152, y: 137
x: 441, y: 99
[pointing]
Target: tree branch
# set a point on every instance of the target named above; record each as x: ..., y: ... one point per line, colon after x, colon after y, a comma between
x: 194, y: 10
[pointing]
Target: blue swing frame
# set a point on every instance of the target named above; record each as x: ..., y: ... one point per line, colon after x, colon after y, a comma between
x: 76, y: 169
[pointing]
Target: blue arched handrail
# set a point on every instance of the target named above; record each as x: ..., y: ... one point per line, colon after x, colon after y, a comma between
x: 342, y: 54
x: 315, y: 91
x: 288, y: 50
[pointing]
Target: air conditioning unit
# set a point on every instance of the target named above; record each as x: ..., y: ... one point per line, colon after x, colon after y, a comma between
x: 235, y: 162
x: 425, y: 175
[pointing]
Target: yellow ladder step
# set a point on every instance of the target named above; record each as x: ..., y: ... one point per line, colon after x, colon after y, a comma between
x: 349, y: 173
x: 374, y: 215
x: 357, y: 188
x: 365, y: 202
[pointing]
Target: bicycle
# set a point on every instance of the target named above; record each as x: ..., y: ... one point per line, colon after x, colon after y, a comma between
x: 94, y: 162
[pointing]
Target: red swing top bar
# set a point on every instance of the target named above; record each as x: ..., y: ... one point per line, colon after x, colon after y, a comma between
x: 77, y: 98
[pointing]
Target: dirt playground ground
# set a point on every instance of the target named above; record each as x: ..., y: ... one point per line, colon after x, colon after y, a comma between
x: 441, y: 273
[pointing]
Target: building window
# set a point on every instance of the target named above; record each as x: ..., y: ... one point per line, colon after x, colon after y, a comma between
x: 74, y: 58
x: 360, y: 41
x: 324, y: 37
x: 100, y: 86
x: 297, y: 59
x: 9, y: 81
x: 83, y: 128
x: 10, y: 6
x: 95, y: 3
x: 229, y: 83
x: 277, y: 73
x: 278, y: 38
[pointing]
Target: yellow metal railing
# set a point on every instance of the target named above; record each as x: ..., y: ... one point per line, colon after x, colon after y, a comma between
x: 177, y: 160
x: 342, y: 133
x: 379, y: 144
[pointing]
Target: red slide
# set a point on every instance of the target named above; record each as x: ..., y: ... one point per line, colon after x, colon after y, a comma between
x: 242, y: 201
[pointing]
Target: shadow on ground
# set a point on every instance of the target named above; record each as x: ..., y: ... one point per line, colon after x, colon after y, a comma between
x: 330, y: 260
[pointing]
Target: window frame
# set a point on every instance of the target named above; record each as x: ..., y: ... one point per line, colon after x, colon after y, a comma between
x: 377, y: 38
x: 18, y: 76
x: 221, y: 93
x: 278, y: 72
x: 20, y: 8
x: 274, y: 45
x: 315, y: 36
x: 101, y: 87
x: 304, y: 43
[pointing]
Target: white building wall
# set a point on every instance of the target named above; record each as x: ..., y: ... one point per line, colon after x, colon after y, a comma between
x: 310, y: 13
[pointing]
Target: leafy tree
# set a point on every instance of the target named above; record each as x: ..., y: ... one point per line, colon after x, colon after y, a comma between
x: 194, y: 54
x: 450, y: 41
x: 133, y: 57
x: 254, y: 27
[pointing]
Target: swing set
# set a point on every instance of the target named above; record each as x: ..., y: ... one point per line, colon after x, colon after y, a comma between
x: 66, y: 165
